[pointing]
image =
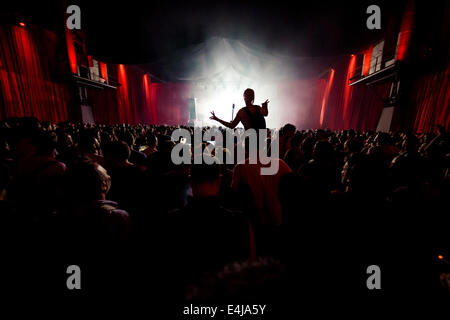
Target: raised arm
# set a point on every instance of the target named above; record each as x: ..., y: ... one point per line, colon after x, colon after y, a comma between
x: 441, y: 133
x: 265, y: 111
x: 231, y: 124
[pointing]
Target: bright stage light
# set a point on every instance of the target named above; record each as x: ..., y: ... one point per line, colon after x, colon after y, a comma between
x: 222, y: 69
x: 220, y: 95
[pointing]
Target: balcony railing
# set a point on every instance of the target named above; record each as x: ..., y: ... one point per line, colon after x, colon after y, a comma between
x: 90, y: 76
x: 379, y: 65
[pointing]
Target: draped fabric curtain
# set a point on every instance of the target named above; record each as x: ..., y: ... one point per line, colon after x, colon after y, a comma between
x: 33, y: 82
x: 357, y: 107
x: 432, y: 98
x: 33, y: 63
x: 366, y: 106
x: 170, y: 102
x: 104, y: 105
x: 360, y: 106
x: 29, y: 70
x: 138, y: 100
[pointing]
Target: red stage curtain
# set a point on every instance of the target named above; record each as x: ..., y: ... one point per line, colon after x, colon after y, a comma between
x: 104, y: 105
x: 405, y: 31
x: 138, y: 100
x: 431, y: 98
x: 358, y: 107
x: 28, y: 62
x: 170, y: 102
x: 71, y: 54
x: 33, y: 60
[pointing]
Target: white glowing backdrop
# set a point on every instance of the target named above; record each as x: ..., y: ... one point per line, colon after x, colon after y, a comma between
x: 219, y: 70
x: 220, y: 94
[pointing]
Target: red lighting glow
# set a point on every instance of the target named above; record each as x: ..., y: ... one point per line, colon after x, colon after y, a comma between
x: 405, y: 32
x: 123, y: 96
x: 103, y: 71
x: 71, y: 51
x: 146, y: 87
x: 348, y: 88
x: 91, y: 64
x: 325, y: 96
x: 366, y: 63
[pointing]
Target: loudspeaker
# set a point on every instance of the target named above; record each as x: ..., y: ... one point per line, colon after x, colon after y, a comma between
x: 192, y: 113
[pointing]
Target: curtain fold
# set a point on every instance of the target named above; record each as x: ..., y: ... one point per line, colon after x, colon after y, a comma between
x: 432, y: 98
x: 353, y: 107
x: 138, y: 100
x: 28, y: 68
x: 33, y: 82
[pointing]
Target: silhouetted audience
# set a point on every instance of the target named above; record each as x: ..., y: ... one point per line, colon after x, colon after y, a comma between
x: 205, y: 235
x: 340, y: 200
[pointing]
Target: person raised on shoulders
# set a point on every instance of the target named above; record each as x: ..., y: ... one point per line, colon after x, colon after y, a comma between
x: 251, y: 116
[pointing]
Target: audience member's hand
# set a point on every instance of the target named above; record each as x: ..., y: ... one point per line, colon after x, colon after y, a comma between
x: 265, y: 103
x: 213, y: 116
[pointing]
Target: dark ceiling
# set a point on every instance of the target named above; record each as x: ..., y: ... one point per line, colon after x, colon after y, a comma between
x: 139, y: 33
x: 143, y: 32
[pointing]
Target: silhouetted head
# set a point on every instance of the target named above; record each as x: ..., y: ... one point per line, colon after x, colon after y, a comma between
x: 88, y: 143
x: 249, y: 96
x: 205, y: 179
x: 152, y: 140
x: 288, y: 130
x: 87, y: 181
x: 65, y: 141
x: 129, y: 138
x: 307, y: 146
x: 323, y: 151
x: 353, y: 145
x: 383, y: 139
x: 366, y: 174
x: 297, y: 139
x: 5, y: 179
x: 46, y: 143
x: 4, y: 147
x: 116, y: 152
x: 410, y: 143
